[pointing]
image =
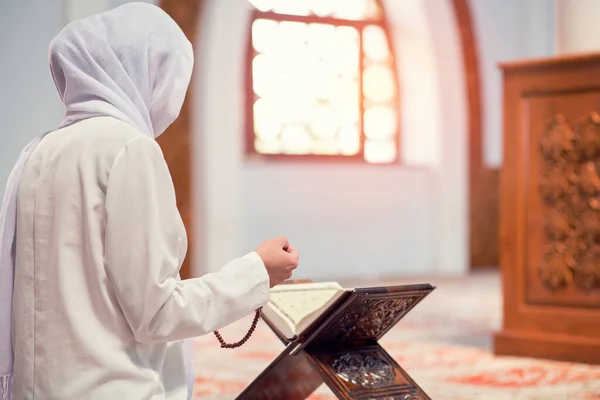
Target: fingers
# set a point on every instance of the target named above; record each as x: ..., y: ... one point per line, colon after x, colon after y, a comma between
x: 293, y: 257
x: 293, y: 253
x: 291, y: 249
x: 282, y: 240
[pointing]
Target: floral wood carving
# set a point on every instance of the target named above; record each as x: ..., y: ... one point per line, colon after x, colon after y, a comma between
x: 570, y: 187
x: 364, y: 370
x: 370, y: 319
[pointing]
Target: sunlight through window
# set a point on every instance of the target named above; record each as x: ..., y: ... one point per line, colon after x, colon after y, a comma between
x: 323, y: 81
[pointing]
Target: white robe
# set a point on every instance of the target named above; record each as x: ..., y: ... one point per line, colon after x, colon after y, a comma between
x: 99, y: 310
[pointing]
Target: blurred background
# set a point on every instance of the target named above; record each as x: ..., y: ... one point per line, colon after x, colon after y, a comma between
x: 384, y: 189
x: 370, y: 133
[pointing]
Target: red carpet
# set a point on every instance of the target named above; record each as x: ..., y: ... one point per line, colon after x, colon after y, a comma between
x: 444, y: 344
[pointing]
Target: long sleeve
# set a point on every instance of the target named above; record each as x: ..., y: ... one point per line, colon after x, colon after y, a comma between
x: 144, y: 246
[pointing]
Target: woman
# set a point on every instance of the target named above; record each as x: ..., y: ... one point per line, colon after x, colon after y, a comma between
x: 91, y: 236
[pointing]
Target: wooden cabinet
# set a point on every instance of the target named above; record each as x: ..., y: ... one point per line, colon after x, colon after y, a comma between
x: 550, y: 210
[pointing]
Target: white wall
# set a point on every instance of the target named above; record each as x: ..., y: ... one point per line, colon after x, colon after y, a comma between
x: 75, y: 9
x: 116, y: 3
x: 577, y: 30
x: 28, y: 101
x: 538, y: 24
x: 507, y: 30
x: 418, y: 75
x: 347, y: 220
x: 450, y: 201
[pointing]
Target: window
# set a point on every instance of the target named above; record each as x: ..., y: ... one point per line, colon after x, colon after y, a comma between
x: 322, y: 81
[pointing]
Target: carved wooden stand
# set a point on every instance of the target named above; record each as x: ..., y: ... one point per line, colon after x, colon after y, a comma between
x: 550, y: 210
x: 340, y: 349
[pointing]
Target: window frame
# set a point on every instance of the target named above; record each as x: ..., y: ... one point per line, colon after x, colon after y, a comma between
x: 251, y: 97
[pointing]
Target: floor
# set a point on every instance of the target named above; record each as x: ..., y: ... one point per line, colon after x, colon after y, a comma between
x: 444, y: 344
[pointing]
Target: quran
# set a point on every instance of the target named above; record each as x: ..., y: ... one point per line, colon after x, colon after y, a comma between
x: 293, y: 308
x: 331, y: 336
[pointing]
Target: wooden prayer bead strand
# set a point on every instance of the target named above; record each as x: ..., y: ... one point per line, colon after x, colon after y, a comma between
x: 225, y: 345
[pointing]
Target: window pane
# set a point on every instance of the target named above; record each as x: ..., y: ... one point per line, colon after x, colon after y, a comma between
x: 264, y: 35
x: 264, y: 75
x: 326, y: 147
x: 345, y: 9
x: 375, y: 44
x: 323, y: 8
x: 267, y: 147
x: 292, y: 7
x: 294, y: 110
x: 349, y: 138
x: 352, y: 9
x: 380, y: 151
x: 267, y: 125
x: 344, y: 59
x: 379, y: 83
x: 347, y: 33
x: 346, y: 102
x: 374, y: 11
x: 337, y: 48
x: 290, y: 35
x: 380, y: 123
x: 325, y: 83
x: 307, y: 77
x: 294, y: 98
x: 319, y: 38
x: 296, y: 139
x: 324, y: 124
x: 308, y: 87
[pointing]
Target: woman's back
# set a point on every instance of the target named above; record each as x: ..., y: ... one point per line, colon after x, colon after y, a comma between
x: 70, y: 331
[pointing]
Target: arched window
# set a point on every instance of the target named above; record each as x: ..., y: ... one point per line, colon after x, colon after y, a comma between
x: 322, y: 81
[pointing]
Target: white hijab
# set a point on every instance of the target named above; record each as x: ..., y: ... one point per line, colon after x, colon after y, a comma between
x: 132, y: 63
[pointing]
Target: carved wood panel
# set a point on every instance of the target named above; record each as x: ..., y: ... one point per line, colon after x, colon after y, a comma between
x: 563, y: 206
x: 366, y: 373
x: 570, y: 187
x: 370, y: 318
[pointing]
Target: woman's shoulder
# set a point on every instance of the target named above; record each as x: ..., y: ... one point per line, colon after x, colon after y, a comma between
x: 101, y: 135
x: 97, y: 143
x: 108, y: 128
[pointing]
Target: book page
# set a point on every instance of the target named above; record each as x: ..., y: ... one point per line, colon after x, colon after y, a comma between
x: 298, y: 301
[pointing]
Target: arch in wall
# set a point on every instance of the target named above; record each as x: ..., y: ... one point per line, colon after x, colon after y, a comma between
x: 177, y: 143
x: 483, y: 181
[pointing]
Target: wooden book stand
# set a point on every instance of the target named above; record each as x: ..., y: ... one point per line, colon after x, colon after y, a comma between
x: 340, y: 349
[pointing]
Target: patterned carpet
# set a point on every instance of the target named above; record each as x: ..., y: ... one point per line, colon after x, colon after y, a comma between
x: 444, y: 344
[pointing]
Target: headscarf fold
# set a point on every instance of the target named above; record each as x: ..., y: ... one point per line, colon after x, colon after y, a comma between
x: 132, y: 63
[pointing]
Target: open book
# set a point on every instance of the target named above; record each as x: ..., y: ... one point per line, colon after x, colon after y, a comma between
x: 293, y: 308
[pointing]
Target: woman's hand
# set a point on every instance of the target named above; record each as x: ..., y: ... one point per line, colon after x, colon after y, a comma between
x: 280, y: 259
